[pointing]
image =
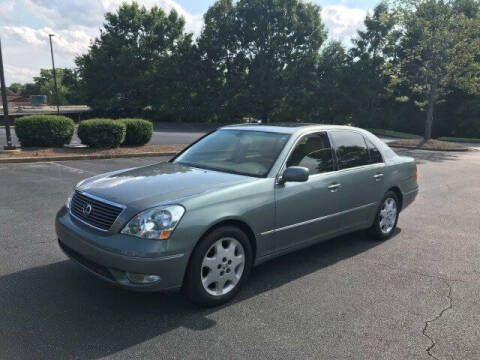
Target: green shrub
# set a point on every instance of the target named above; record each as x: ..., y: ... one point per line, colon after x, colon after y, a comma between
x: 139, y: 131
x: 44, y: 130
x: 101, y: 133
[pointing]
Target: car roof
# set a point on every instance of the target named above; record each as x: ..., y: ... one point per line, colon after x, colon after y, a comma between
x: 287, y: 128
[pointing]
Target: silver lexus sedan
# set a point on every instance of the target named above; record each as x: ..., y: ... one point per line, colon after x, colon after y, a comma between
x: 237, y: 197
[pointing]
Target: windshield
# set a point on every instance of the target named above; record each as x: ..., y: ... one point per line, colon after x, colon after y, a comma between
x: 242, y: 152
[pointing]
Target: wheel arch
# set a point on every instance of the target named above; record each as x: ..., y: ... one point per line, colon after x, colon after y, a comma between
x: 239, y: 223
x: 396, y: 190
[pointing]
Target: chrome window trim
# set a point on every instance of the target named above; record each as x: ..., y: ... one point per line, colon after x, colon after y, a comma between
x: 361, y: 167
x: 123, y: 207
x: 306, y: 222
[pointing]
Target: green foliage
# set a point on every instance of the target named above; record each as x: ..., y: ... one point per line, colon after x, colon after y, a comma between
x: 70, y: 88
x: 16, y: 87
x: 439, y: 48
x: 368, y: 62
x: 138, y: 131
x: 131, y: 67
x: 101, y: 133
x: 44, y: 130
x: 257, y: 49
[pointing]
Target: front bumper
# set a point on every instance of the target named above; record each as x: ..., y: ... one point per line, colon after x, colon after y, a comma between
x: 92, y: 251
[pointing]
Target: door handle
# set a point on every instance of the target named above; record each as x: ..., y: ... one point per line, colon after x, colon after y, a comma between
x: 334, y: 187
x: 378, y: 177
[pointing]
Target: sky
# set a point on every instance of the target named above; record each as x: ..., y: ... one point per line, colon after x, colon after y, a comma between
x: 25, y: 25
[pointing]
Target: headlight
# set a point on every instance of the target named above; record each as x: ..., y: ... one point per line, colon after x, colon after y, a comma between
x: 69, y: 200
x: 157, y: 223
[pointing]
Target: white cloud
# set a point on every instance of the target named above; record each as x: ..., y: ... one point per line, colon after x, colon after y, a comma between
x: 343, y: 22
x: 19, y: 74
x: 67, y: 42
x: 90, y: 13
x: 75, y: 24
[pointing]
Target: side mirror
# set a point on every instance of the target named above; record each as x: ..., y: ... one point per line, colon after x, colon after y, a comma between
x: 295, y: 174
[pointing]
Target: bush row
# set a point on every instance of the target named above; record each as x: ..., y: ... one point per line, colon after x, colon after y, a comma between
x: 55, y: 131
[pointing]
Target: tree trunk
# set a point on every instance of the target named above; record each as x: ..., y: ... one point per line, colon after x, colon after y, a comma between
x: 429, y: 120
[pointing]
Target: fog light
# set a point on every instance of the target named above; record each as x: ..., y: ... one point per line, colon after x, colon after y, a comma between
x: 142, y: 278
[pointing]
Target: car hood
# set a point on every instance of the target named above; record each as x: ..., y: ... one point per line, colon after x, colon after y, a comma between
x: 156, y: 184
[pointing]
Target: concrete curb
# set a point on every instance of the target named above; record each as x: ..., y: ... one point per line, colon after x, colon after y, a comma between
x: 83, y: 157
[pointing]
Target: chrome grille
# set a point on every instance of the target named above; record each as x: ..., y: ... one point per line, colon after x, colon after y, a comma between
x: 94, y: 211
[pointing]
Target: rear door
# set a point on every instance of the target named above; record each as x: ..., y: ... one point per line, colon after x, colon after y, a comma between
x: 360, y: 178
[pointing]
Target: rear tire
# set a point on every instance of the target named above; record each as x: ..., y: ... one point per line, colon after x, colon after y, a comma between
x: 218, y: 267
x: 386, y: 218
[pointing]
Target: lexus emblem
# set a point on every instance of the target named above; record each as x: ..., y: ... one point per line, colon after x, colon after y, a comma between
x: 87, y: 209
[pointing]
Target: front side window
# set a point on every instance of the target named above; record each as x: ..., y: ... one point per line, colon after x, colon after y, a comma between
x: 241, y: 152
x: 313, y: 152
x: 350, y: 148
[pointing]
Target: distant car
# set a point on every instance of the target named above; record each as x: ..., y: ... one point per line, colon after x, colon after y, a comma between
x: 237, y: 197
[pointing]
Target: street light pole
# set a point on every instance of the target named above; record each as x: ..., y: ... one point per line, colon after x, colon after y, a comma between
x: 54, y: 74
x: 9, y: 145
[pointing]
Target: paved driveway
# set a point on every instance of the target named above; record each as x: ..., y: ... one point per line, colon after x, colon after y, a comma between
x: 415, y: 294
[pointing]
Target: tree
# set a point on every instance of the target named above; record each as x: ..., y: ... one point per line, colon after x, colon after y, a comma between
x: 127, y: 69
x: 438, y: 51
x: 15, y: 87
x: 369, y: 57
x: 332, y: 75
x: 254, y: 46
x: 222, y: 63
x: 46, y: 86
x: 70, y: 88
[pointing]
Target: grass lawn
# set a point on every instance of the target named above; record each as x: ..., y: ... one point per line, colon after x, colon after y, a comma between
x: 460, y: 140
x: 392, y: 133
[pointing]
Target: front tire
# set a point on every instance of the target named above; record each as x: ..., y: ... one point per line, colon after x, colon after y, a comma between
x: 218, y: 267
x: 386, y: 218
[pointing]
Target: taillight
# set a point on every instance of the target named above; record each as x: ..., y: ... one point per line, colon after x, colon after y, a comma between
x: 415, y: 176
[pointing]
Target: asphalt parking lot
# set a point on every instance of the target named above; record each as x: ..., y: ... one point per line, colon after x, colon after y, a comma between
x: 416, y: 296
x: 159, y: 137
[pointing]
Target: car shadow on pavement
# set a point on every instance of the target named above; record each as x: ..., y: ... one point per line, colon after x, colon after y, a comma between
x: 60, y: 311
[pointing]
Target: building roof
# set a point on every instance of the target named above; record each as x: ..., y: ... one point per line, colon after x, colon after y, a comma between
x: 11, y: 93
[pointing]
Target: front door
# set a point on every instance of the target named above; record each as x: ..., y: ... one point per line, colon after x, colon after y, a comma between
x: 304, y: 210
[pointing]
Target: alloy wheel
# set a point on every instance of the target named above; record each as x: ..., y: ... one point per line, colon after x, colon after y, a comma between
x: 388, y: 215
x: 222, y: 266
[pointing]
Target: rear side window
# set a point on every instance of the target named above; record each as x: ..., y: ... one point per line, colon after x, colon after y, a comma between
x: 314, y: 152
x: 375, y: 155
x: 350, y: 148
